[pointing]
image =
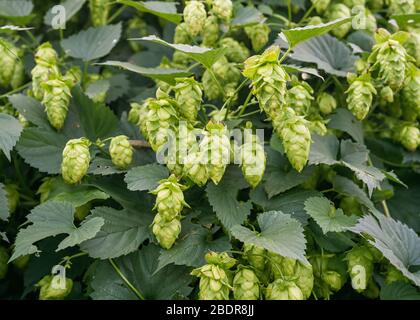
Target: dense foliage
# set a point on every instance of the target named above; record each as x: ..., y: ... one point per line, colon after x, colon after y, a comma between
x: 215, y: 149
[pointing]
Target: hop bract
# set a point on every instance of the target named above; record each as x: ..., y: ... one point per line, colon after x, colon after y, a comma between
x: 76, y: 159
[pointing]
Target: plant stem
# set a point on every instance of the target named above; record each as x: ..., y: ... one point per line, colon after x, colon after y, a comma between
x: 15, y: 90
x: 383, y: 202
x: 289, y: 11
x: 285, y: 55
x: 34, y: 40
x: 245, y: 105
x: 307, y: 13
x: 139, y: 144
x: 116, y: 14
x: 128, y: 283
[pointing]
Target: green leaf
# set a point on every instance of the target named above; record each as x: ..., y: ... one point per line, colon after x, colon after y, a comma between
x: 207, y: 57
x: 97, y: 88
x: 280, y: 233
x: 93, y: 43
x: 31, y: 109
x: 247, y: 15
x: 192, y: 245
x: 167, y: 75
x: 122, y: 233
x: 80, y: 195
x: 139, y: 268
x: 4, y: 207
x: 17, y: 10
x: 223, y: 199
x: 328, y: 218
x: 301, y: 34
x: 397, y: 242
x: 165, y: 10
x: 406, y: 20
x: 10, y: 130
x: 327, y: 52
x: 146, y: 177
x: 399, y: 291
x: 71, y: 8
x: 51, y: 219
x: 344, y: 120
x: 335, y: 242
x: 299, y: 69
x: 324, y: 149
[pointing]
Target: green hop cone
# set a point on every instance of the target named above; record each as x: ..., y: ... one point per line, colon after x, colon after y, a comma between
x: 296, y: 138
x: 188, y: 95
x: 56, y: 101
x: 138, y: 115
x: 332, y: 279
x: 223, y: 9
x: 283, y: 290
x: 52, y: 288
x: 255, y: 256
x: 181, y: 34
x: 351, y: 206
x: 412, y: 45
x: 169, y: 198
x: 214, y: 282
x: 327, y: 103
x: 392, y: 275
x: 370, y: 22
x: 22, y: 262
x: 299, y: 98
x: 99, y: 11
x: 76, y: 159
x: 410, y: 137
x: 360, y: 267
x: 353, y: 3
x: 73, y: 76
x: 259, y: 35
x: 314, y: 21
x: 411, y: 92
x: 45, y: 188
x: 235, y: 51
x: 12, y: 68
x: 211, y: 32
x: 388, y: 60
x: 121, y: 151
x: 338, y: 11
x: 4, y: 258
x: 195, y: 16
x: 386, y: 96
x: 195, y: 167
x: 360, y: 96
x: 12, y: 195
x: 246, y: 285
x: 253, y: 159
x: 46, y: 55
x: 166, y: 232
x: 397, y: 7
x: 320, y: 5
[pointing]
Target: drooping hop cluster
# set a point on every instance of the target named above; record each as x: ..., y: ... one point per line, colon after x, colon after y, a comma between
x: 121, y: 151
x: 4, y: 259
x: 253, y: 158
x: 360, y: 267
x: 99, y: 11
x: 188, y: 95
x: 360, y: 96
x: 195, y: 16
x: 12, y: 195
x: 222, y: 9
x: 169, y: 204
x: 246, y: 285
x: 259, y: 35
x: 214, y: 280
x: 56, y: 101
x: 76, y: 159
x: 53, y: 288
x: 12, y: 68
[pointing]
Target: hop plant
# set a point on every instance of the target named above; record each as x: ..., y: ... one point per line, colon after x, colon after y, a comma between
x: 181, y: 34
x: 211, y: 31
x: 214, y: 282
x: 12, y: 70
x: 360, y: 267
x: 283, y: 290
x: 195, y: 16
x: 253, y: 159
x: 299, y: 98
x: 76, y: 159
x: 166, y: 232
x: 388, y: 59
x: 255, y: 256
x: 4, y: 259
x: 223, y: 9
x: 320, y: 5
x: 409, y: 137
x: 360, y: 96
x: 235, y: 51
x: 99, y: 11
x: 188, y: 95
x: 327, y: 103
x: 56, y: 101
x: 169, y: 198
x: 51, y: 289
x: 401, y: 7
x: 12, y: 195
x: 338, y: 11
x: 121, y: 151
x: 259, y: 35
x: 246, y: 284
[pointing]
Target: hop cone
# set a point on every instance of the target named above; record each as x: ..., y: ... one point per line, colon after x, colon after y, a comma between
x: 166, y: 232
x: 412, y: 45
x: 188, y: 95
x: 221, y: 259
x: 320, y: 5
x: 411, y: 92
x: 410, y: 137
x: 56, y: 101
x: 360, y: 96
x: 255, y: 256
x: 4, y: 258
x: 12, y: 195
x: 386, y: 96
x: 314, y: 21
x: 181, y: 34
x: 389, y: 59
x: 353, y: 3
x: 139, y: 114
x: 235, y: 51
x: 296, y: 140
x: 392, y: 274
x: 49, y: 290
x: 360, y: 267
x: 40, y: 75
x: 223, y: 9
x: 351, y: 206
x: 76, y: 159
x: 214, y: 282
x: 401, y: 7
x: 246, y: 285
x: 195, y: 167
x: 338, y: 11
x: 211, y: 32
x: 99, y: 11
x: 195, y: 17
x: 45, y: 55
x: 73, y: 76
x: 283, y: 290
x: 333, y: 280
x: 169, y: 198
x: 12, y: 69
x: 121, y: 151
x: 253, y: 159
x: 299, y: 98
x: 258, y: 34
